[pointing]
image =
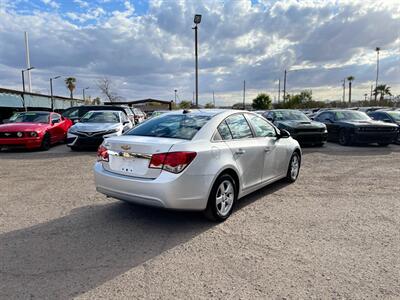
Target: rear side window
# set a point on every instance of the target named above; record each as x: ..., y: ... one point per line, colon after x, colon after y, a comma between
x: 239, y: 127
x: 171, y: 126
x: 71, y: 113
x: 224, y: 131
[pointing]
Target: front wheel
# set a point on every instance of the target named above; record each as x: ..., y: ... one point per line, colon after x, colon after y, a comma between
x: 294, y: 167
x: 222, y: 198
x: 46, y: 142
x: 344, y: 139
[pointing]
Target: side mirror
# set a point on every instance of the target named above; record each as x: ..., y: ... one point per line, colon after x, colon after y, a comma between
x: 284, y: 134
x: 76, y: 121
x: 55, y: 122
x: 125, y: 122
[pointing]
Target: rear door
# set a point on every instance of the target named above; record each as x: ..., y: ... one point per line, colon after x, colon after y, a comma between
x: 246, y: 150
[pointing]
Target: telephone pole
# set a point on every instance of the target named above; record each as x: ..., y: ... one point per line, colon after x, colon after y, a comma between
x: 279, y: 90
x: 244, y: 94
x: 284, y: 87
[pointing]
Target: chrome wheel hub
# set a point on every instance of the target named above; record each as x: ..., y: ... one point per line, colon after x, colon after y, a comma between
x: 224, y: 197
x: 294, y: 170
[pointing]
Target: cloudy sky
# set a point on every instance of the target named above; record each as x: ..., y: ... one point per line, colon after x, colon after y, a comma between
x: 145, y: 47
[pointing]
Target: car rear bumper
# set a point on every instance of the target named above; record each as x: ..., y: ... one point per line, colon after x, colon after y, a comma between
x: 28, y: 143
x: 311, y: 137
x: 373, y: 137
x: 172, y: 191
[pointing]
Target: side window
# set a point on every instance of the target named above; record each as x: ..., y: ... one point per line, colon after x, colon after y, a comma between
x: 224, y: 132
x: 239, y: 127
x: 325, y: 117
x: 261, y: 127
x: 55, y: 118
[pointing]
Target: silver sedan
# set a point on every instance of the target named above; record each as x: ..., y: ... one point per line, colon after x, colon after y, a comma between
x: 196, y: 160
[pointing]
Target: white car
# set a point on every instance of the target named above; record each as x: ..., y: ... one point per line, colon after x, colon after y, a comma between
x: 196, y: 160
x: 95, y: 126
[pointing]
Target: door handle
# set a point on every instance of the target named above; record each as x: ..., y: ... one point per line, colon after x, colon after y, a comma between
x: 240, y: 152
x: 267, y: 149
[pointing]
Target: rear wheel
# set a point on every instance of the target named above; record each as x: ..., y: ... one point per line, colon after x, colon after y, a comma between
x: 222, y: 199
x: 344, y: 139
x: 46, y: 142
x: 294, y: 167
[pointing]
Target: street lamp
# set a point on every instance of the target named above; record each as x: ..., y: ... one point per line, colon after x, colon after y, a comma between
x: 284, y: 82
x: 196, y: 20
x: 51, y: 91
x: 23, y: 85
x: 377, y: 49
x: 175, y: 94
x: 83, y: 92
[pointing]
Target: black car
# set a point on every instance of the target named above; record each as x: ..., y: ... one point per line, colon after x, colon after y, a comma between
x: 387, y: 116
x: 354, y: 127
x: 301, y: 128
x: 77, y: 112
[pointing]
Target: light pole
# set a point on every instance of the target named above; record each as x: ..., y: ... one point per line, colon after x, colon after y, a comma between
x: 377, y: 49
x: 23, y: 85
x: 83, y: 92
x: 279, y: 90
x: 197, y: 20
x: 175, y: 94
x: 51, y: 91
x: 244, y: 94
x: 284, y: 86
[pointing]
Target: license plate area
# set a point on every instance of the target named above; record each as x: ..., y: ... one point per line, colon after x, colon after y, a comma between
x: 128, y: 165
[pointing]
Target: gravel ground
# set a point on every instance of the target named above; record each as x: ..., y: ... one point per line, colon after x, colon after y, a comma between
x: 333, y: 234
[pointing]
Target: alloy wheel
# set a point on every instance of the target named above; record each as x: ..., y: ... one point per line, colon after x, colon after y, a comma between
x: 224, y: 197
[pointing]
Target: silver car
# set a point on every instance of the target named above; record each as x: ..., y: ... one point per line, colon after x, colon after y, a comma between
x: 196, y: 160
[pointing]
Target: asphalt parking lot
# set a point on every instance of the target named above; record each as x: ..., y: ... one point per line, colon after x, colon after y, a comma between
x: 335, y: 233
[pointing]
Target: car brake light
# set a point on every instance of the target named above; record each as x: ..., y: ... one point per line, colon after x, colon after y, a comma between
x: 174, y: 162
x: 102, y: 153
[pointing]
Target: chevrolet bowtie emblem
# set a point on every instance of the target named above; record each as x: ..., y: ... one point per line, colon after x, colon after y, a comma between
x: 125, y: 147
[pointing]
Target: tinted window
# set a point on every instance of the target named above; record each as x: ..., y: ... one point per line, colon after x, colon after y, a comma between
x: 224, y: 131
x: 34, y: 117
x: 351, y: 115
x: 325, y: 117
x: 286, y: 115
x: 239, y: 127
x: 124, y: 118
x: 101, y: 117
x: 261, y: 127
x: 71, y: 113
x: 171, y: 126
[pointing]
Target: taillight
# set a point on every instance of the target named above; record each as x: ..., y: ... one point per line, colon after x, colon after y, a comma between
x: 102, y: 153
x: 174, y: 162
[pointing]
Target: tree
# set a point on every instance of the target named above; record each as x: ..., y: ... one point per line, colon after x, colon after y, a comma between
x: 105, y: 86
x: 262, y: 101
x: 70, y: 82
x: 96, y: 101
x: 185, y: 104
x: 382, y: 90
x: 350, y: 79
x: 209, y: 105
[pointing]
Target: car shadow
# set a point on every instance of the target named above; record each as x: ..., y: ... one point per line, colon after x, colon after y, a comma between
x: 70, y: 255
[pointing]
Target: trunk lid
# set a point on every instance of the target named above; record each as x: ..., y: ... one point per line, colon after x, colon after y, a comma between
x: 130, y: 155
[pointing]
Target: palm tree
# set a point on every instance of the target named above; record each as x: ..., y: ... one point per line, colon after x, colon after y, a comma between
x: 350, y: 79
x: 71, y: 84
x: 382, y: 90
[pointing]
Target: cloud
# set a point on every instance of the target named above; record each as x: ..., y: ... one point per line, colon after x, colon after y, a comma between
x: 152, y: 53
x: 51, y: 3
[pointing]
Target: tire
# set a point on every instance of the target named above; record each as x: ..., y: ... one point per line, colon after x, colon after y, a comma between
x: 383, y: 144
x: 319, y: 144
x: 344, y: 139
x: 220, y: 204
x: 74, y: 148
x: 294, y: 167
x: 46, y: 142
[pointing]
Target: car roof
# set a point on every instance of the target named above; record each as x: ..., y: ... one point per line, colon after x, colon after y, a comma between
x: 106, y: 110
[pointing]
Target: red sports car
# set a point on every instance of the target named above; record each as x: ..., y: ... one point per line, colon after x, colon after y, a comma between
x: 34, y: 129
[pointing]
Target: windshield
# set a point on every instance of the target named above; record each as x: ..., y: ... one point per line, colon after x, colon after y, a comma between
x: 395, y: 115
x: 32, y: 117
x: 171, y: 126
x: 101, y: 117
x: 351, y: 116
x: 289, y: 115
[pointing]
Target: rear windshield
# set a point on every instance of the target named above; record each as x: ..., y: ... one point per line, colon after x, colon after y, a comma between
x: 171, y: 126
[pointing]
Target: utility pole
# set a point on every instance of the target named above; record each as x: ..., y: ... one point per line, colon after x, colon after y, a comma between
x: 284, y: 87
x: 365, y: 96
x: 175, y: 95
x: 244, y: 94
x: 279, y: 90
x: 28, y: 62
x: 344, y: 90
x: 370, y: 97
x: 377, y: 49
x: 51, y: 91
x: 213, y: 99
x: 83, y: 92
